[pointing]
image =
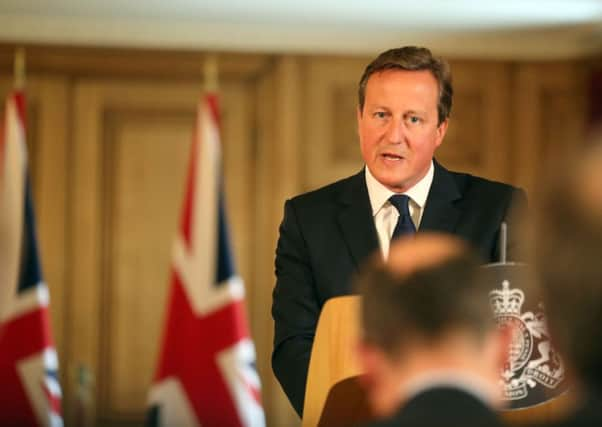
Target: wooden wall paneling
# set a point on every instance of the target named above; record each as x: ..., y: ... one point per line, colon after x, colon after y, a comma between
x: 236, y: 104
x: 264, y: 269
x: 331, y: 148
x: 48, y: 141
x: 478, y: 136
x: 144, y: 167
x: 278, y: 169
x: 550, y: 115
x: 49, y: 182
x: 286, y: 175
x: 131, y: 156
x: 263, y: 272
x: 103, y: 62
x: 85, y: 244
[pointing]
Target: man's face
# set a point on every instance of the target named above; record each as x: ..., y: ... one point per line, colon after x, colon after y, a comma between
x: 398, y: 127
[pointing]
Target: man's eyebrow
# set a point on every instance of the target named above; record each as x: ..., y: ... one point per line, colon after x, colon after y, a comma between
x: 377, y: 106
x: 421, y: 112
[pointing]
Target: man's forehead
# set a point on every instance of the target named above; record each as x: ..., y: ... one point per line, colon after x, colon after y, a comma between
x: 398, y: 85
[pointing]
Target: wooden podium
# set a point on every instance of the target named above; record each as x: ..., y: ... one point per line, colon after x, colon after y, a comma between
x: 333, y: 396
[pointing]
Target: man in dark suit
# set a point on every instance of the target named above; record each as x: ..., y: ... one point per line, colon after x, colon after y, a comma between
x: 430, y: 348
x: 405, y: 98
x: 568, y: 255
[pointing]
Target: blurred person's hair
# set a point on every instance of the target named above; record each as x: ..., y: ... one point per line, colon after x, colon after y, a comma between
x: 412, y: 58
x: 424, y: 304
x: 568, y: 260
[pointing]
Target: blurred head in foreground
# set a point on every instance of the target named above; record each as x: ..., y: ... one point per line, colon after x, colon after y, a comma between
x: 568, y: 261
x: 426, y: 317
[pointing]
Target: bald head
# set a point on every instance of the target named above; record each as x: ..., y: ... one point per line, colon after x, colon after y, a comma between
x: 423, y: 252
x: 428, y: 286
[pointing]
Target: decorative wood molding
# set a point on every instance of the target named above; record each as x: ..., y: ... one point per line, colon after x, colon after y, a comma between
x: 137, y: 63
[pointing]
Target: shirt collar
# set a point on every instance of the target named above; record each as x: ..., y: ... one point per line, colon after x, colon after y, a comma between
x: 379, y: 194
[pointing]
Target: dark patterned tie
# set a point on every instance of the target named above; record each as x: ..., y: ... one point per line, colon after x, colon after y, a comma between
x: 404, y: 225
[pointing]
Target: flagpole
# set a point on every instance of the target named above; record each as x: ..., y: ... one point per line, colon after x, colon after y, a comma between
x: 19, y: 69
x: 210, y: 73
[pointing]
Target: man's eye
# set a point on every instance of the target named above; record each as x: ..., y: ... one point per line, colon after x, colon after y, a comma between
x: 380, y: 115
x: 414, y: 119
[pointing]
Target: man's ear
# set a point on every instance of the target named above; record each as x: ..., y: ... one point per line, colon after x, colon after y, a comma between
x: 369, y: 358
x: 441, y: 131
x: 380, y: 379
x: 365, y: 355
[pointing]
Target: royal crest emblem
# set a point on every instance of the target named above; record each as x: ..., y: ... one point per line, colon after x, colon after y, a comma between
x: 532, y: 363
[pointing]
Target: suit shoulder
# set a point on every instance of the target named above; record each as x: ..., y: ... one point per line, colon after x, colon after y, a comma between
x: 327, y: 193
x: 468, y: 182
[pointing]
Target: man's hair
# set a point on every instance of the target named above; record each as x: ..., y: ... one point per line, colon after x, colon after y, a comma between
x: 568, y: 258
x: 425, y: 304
x: 412, y: 58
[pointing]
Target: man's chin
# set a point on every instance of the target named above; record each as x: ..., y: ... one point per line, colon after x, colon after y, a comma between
x: 396, y: 184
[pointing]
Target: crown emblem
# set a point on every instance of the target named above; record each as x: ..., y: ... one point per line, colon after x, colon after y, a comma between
x: 506, y: 301
x: 532, y: 364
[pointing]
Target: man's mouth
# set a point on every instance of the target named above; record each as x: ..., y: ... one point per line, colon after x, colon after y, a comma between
x: 392, y: 156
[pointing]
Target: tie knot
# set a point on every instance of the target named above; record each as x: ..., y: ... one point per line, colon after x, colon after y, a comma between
x: 400, y: 201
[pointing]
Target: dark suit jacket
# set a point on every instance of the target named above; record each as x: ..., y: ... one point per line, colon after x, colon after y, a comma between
x: 326, y: 234
x: 442, y: 406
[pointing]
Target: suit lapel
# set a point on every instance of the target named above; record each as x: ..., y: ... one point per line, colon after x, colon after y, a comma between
x: 357, y: 224
x: 441, y: 214
x: 355, y: 219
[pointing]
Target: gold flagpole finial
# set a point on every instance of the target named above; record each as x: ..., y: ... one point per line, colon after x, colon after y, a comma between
x: 210, y: 73
x: 19, y: 68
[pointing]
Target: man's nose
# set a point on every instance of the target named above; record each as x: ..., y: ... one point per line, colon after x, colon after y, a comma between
x: 396, y: 131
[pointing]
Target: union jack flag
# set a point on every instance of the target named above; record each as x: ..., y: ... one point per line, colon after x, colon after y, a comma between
x: 206, y: 373
x: 30, y: 394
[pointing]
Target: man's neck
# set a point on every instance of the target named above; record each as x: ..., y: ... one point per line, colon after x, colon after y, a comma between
x: 449, y: 365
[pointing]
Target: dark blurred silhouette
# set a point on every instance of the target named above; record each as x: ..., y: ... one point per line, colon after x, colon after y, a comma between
x: 568, y: 261
x: 430, y: 347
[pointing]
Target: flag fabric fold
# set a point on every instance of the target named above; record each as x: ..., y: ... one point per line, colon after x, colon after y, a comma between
x: 30, y: 393
x: 206, y: 373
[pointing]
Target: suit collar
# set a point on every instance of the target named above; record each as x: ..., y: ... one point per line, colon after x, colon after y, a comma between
x: 379, y: 194
x: 355, y: 218
x: 464, y: 381
x: 440, y: 212
x: 456, y: 406
x: 355, y: 213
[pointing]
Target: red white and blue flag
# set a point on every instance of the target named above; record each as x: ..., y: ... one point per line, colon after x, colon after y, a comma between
x: 206, y: 374
x: 30, y: 394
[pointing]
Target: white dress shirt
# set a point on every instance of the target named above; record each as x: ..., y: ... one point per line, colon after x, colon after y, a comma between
x: 385, y: 214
